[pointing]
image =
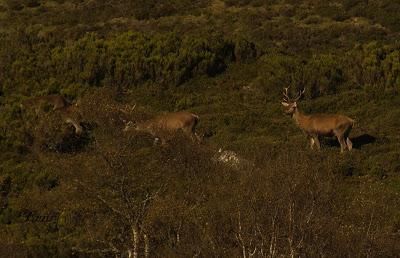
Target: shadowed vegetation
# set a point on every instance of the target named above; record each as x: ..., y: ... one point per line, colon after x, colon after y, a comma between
x: 108, y: 193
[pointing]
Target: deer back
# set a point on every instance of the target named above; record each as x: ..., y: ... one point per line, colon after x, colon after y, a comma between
x: 324, y: 124
x: 176, y: 121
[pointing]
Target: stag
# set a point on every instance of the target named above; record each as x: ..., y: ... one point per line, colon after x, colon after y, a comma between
x: 318, y: 125
x: 168, y: 123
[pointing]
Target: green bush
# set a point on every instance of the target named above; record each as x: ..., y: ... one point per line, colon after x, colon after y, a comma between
x: 245, y: 50
x: 324, y: 75
x: 384, y: 12
x: 132, y: 59
x: 374, y: 66
x: 331, y: 10
x: 228, y: 64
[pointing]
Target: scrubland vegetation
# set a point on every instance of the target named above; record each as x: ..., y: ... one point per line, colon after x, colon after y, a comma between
x: 107, y: 193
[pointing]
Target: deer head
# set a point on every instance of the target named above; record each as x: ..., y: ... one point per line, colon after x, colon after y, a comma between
x: 291, y: 104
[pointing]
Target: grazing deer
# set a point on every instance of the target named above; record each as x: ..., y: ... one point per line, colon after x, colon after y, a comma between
x: 318, y: 125
x: 168, y: 123
x: 59, y: 104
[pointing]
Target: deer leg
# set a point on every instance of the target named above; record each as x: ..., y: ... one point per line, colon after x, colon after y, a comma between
x: 312, y: 142
x: 316, y: 140
x: 349, y: 144
x: 342, y: 142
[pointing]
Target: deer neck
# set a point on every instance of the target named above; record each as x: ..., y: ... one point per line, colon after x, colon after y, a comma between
x: 299, y: 117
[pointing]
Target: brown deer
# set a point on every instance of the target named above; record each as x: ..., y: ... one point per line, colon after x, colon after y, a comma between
x: 67, y: 112
x: 168, y: 123
x: 318, y: 125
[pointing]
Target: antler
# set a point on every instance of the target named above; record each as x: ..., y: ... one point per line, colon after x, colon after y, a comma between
x: 133, y: 108
x: 301, y: 93
x: 286, y: 97
x: 286, y: 94
x: 127, y: 109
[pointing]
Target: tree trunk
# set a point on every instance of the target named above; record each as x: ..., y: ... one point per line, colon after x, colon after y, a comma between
x: 135, y: 235
x: 146, y: 245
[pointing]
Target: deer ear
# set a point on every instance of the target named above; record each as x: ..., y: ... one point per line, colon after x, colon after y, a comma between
x: 295, y: 104
x: 285, y: 104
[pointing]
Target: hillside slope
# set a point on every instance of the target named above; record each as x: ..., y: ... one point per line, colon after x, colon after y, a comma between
x: 109, y: 193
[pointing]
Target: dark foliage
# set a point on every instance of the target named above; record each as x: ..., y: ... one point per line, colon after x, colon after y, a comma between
x: 108, y: 192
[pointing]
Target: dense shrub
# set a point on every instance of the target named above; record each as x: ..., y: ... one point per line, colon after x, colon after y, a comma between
x: 384, y: 12
x: 331, y: 10
x: 245, y: 50
x: 376, y: 65
x: 372, y: 67
x: 128, y: 60
x: 114, y: 191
